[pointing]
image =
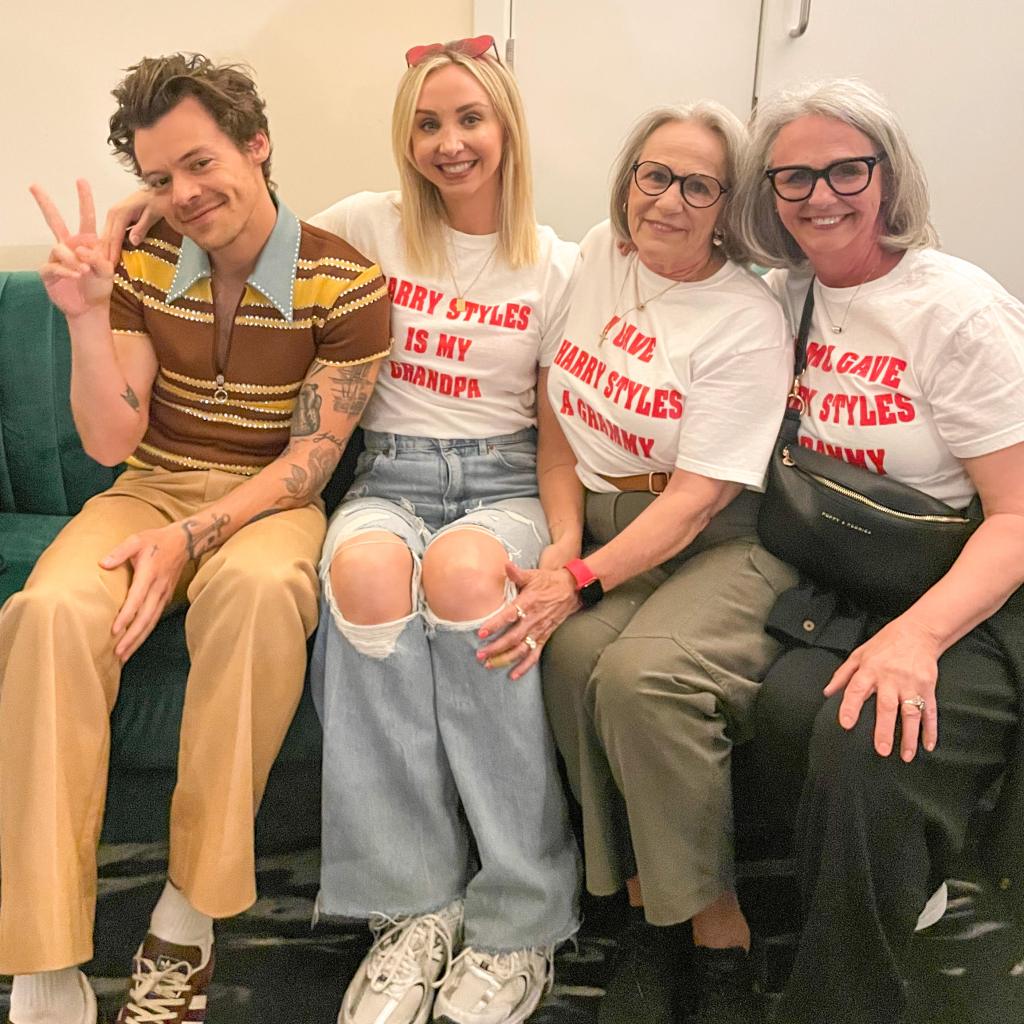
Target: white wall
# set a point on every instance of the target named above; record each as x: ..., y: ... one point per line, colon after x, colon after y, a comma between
x: 327, y: 69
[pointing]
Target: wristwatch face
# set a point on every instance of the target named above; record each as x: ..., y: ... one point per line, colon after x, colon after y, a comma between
x: 591, y: 593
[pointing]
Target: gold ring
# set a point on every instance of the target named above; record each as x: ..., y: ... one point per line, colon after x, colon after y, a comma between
x: 520, y: 614
x: 917, y: 701
x: 530, y: 642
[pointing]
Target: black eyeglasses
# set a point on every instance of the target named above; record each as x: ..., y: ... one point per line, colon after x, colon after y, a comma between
x: 698, y: 190
x: 846, y: 177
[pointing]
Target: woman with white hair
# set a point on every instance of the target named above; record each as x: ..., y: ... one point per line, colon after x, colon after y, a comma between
x: 443, y: 814
x: 669, y: 386
x: 880, y: 731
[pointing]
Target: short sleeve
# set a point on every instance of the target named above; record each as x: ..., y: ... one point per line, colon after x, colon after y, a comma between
x: 127, y: 313
x: 975, y: 383
x: 356, y: 327
x: 737, y: 397
x: 563, y: 269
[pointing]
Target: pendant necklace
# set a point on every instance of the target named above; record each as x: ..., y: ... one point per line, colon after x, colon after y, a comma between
x: 460, y: 293
x: 837, y: 328
x: 639, y: 305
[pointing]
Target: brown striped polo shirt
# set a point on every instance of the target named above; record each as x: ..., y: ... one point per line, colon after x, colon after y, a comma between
x: 310, y: 296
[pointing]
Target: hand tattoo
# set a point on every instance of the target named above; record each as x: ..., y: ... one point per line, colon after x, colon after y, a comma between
x: 200, y: 539
x: 130, y: 397
x: 306, y: 417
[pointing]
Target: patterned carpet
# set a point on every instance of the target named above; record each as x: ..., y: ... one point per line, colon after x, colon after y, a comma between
x: 273, y: 969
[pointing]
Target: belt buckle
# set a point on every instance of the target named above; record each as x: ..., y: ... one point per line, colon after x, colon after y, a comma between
x: 650, y: 482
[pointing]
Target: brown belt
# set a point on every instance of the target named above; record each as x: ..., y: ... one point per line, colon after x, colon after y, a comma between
x: 652, y: 483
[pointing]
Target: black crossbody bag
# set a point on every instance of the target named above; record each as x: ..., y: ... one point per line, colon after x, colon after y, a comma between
x: 873, y: 539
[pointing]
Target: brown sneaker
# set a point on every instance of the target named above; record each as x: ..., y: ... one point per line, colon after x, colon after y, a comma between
x: 169, y: 984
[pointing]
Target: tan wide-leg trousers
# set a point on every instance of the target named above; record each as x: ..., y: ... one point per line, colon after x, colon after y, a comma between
x: 648, y: 691
x: 253, y: 603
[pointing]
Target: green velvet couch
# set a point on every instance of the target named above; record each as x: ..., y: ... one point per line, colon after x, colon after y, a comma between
x: 45, y: 477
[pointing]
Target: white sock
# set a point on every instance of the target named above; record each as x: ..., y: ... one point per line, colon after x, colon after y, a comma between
x: 176, y: 920
x: 49, y: 997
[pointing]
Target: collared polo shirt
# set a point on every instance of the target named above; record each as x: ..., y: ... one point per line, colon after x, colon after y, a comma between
x: 309, y: 296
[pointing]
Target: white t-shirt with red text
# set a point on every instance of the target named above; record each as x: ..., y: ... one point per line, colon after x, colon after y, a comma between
x: 458, y: 373
x: 697, y: 380
x: 928, y: 370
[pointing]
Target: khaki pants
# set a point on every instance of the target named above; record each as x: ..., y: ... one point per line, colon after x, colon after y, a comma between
x: 253, y: 603
x: 648, y: 691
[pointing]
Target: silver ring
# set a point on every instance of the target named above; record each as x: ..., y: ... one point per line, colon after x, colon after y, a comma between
x: 520, y: 614
x: 530, y: 642
x: 916, y: 702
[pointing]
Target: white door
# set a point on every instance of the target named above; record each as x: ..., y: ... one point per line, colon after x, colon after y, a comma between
x: 952, y: 71
x: 589, y: 68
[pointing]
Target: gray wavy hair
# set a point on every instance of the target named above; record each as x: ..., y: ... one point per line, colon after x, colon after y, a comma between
x: 713, y: 115
x: 904, y: 186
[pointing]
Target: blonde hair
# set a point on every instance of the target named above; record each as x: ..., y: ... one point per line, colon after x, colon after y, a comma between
x: 422, y: 209
x: 904, y: 207
x: 716, y: 118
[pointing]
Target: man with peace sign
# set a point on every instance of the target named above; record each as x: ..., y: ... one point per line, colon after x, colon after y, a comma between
x: 226, y: 359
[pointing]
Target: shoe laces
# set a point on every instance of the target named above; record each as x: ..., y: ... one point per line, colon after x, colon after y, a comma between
x: 501, y: 968
x: 399, y: 946
x: 156, y: 993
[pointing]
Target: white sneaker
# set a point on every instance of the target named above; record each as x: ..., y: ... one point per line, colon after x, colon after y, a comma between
x: 495, y: 988
x: 396, y: 981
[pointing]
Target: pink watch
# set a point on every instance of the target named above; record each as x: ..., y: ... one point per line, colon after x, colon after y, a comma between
x: 588, y: 586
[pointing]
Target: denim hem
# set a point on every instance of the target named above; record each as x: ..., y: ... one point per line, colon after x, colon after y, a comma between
x: 557, y: 939
x: 347, y: 915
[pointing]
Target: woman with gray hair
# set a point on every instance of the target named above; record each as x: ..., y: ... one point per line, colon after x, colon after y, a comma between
x: 915, y: 370
x: 669, y: 387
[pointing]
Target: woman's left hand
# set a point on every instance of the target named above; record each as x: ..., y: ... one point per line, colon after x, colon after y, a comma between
x: 546, y: 598
x: 899, y: 664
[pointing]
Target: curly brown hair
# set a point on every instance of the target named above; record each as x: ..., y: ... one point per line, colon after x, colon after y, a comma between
x: 157, y: 84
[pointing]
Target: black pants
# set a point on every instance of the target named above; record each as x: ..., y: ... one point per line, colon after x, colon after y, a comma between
x: 874, y: 835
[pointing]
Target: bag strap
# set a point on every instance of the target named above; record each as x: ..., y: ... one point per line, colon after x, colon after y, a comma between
x: 800, y: 352
x: 794, y: 403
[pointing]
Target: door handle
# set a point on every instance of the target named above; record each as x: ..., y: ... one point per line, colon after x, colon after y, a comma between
x: 805, y: 17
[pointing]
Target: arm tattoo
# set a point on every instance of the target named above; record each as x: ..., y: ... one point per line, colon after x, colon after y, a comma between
x: 130, y: 397
x: 200, y: 539
x: 296, y: 482
x: 351, y: 388
x: 304, y: 484
x: 338, y: 442
x: 306, y: 417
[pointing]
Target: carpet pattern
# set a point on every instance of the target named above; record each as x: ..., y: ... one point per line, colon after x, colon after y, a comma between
x: 273, y: 968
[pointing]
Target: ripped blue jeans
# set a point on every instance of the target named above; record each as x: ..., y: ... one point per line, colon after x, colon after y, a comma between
x: 439, y: 776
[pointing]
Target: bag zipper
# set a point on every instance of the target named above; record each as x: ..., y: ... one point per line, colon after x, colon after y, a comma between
x: 787, y: 460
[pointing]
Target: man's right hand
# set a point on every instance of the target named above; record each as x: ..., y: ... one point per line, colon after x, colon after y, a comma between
x: 79, y: 274
x: 132, y: 216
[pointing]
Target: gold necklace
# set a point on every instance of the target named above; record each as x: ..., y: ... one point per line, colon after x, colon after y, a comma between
x: 460, y: 293
x: 639, y: 305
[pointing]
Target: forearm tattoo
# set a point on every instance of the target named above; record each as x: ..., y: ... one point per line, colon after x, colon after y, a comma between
x: 304, y: 483
x: 199, y: 539
x: 130, y: 397
x: 306, y: 417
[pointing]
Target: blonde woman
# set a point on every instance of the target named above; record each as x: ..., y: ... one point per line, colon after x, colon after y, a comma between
x: 444, y: 820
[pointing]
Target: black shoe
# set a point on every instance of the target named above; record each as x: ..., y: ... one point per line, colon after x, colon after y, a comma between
x: 648, y: 970
x: 728, y: 986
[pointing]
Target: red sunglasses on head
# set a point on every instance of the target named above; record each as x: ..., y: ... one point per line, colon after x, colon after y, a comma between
x: 473, y: 48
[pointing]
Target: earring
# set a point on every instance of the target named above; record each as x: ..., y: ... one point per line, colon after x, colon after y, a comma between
x: 717, y: 238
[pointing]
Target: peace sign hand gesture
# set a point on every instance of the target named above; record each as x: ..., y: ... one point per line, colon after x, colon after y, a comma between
x: 78, y: 275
